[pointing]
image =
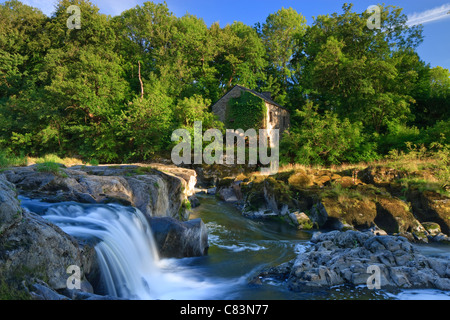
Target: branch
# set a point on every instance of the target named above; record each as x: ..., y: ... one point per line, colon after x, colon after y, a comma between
x: 140, y: 80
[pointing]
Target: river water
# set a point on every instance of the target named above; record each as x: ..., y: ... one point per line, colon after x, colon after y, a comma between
x: 239, y: 248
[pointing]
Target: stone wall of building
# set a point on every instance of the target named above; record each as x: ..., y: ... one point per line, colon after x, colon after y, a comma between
x: 220, y: 108
x: 276, y: 118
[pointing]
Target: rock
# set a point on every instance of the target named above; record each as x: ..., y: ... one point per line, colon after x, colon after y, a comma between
x: 379, y: 175
x: 300, y: 220
x: 227, y: 194
x: 300, y: 180
x: 394, y: 216
x: 175, y: 239
x: 40, y: 250
x: 430, y: 206
x: 154, y: 192
x: 333, y: 214
x: 193, y: 200
x: 10, y: 210
x: 319, y: 214
x: 43, y: 292
x: 34, y: 250
x: 441, y: 238
x: 432, y: 228
x: 353, y: 257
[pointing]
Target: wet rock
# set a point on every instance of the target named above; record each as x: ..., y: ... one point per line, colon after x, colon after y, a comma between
x: 33, y: 250
x: 350, y: 258
x: 175, y: 239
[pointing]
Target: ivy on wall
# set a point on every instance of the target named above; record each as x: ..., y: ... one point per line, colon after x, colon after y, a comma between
x: 246, y: 112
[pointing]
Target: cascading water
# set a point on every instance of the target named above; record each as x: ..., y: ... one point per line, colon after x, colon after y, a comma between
x: 131, y: 268
x: 128, y: 258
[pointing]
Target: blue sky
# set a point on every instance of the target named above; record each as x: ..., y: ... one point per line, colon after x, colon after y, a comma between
x: 431, y: 13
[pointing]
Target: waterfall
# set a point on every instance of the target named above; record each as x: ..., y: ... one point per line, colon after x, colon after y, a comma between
x: 128, y: 258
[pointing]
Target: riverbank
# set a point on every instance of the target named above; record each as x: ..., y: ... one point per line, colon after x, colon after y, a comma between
x: 36, y: 250
x: 408, y: 198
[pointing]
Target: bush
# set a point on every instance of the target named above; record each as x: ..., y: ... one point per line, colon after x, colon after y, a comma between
x: 324, y: 139
x: 7, y: 160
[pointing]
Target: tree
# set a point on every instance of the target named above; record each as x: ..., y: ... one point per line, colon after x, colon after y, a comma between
x: 281, y: 33
x: 349, y: 69
x: 432, y: 95
x: 241, y: 57
x: 84, y: 89
x: 23, y: 43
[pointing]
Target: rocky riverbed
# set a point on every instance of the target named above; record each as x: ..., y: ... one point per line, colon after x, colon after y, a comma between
x: 359, y: 258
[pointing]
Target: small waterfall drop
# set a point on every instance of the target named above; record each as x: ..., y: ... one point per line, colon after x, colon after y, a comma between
x: 128, y: 258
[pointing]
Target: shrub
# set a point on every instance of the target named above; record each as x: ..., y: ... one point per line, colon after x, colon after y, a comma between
x: 7, y: 160
x: 324, y: 139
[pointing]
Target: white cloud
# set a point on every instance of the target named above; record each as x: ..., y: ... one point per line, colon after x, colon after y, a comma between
x: 431, y: 15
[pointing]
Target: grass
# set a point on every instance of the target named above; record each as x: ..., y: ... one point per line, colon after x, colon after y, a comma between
x: 421, y: 185
x: 7, y: 160
x: 144, y: 170
x: 48, y: 166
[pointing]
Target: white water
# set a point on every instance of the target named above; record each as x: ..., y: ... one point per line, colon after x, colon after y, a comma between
x: 131, y: 267
x: 128, y: 258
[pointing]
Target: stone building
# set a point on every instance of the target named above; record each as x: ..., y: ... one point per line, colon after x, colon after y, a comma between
x: 277, y: 117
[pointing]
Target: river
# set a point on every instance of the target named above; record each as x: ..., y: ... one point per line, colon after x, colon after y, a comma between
x: 239, y: 247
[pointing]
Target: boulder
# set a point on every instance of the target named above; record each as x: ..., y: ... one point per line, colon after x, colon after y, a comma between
x: 380, y: 176
x: 432, y: 228
x: 41, y: 250
x: 332, y: 213
x: 175, y: 239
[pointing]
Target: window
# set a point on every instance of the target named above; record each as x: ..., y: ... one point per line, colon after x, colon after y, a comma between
x: 270, y: 116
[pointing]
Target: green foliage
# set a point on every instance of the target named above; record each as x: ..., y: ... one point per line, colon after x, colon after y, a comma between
x: 246, y: 112
x: 8, y: 160
x: 114, y: 90
x: 358, y: 73
x: 281, y: 34
x: 323, y: 139
x: 186, y: 204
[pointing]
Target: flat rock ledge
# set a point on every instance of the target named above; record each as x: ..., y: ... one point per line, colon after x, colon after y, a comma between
x: 357, y: 258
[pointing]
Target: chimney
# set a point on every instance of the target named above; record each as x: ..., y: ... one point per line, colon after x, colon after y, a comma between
x: 267, y: 94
